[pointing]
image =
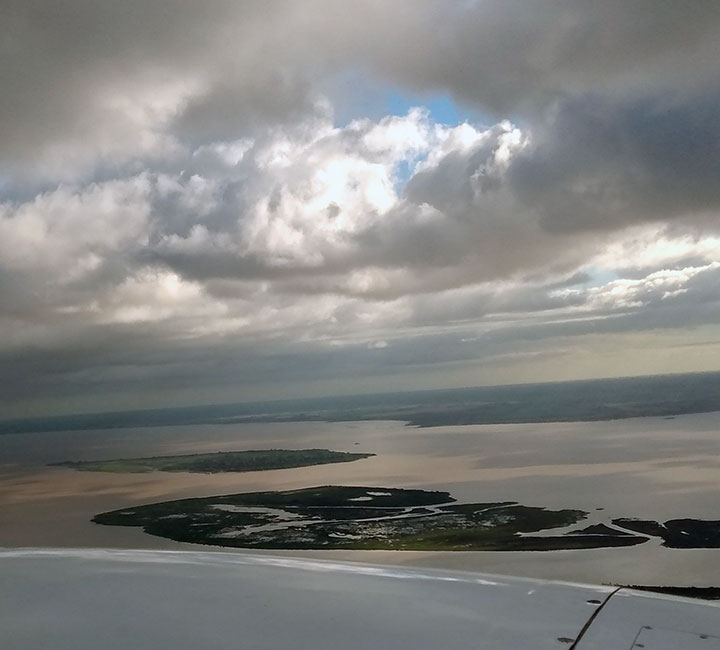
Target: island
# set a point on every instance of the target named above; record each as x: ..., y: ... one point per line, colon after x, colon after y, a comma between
x: 342, y: 517
x: 221, y: 461
x: 677, y: 533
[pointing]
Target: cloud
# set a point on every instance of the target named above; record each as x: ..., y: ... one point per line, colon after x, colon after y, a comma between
x: 521, y: 55
x: 90, y: 78
x: 87, y: 82
x: 178, y: 199
x: 603, y: 164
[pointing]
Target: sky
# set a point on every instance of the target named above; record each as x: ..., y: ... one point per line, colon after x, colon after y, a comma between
x: 206, y: 202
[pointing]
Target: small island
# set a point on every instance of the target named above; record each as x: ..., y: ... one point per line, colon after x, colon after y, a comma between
x: 677, y: 533
x: 221, y: 461
x: 339, y: 517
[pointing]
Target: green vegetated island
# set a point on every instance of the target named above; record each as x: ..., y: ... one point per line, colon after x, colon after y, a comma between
x: 337, y: 517
x: 222, y: 461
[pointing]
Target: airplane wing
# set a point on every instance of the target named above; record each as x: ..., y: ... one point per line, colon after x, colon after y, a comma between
x: 64, y: 599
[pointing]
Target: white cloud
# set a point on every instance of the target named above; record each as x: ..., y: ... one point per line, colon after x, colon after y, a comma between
x: 71, y: 226
x: 653, y: 246
x: 157, y: 295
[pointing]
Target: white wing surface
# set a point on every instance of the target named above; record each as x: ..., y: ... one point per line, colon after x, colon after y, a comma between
x: 75, y: 599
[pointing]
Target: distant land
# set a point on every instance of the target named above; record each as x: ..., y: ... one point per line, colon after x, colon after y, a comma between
x: 600, y: 399
x: 222, y: 461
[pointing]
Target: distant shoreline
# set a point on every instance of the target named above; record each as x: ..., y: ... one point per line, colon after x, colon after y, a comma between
x: 576, y: 401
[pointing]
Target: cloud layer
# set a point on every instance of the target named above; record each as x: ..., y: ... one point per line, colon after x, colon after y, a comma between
x: 180, y: 207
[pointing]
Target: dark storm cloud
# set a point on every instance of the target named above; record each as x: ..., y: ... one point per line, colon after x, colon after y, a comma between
x: 510, y: 56
x: 600, y: 164
x: 62, y: 64
x: 84, y: 80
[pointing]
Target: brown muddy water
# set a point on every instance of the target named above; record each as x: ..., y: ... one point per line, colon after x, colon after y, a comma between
x: 653, y: 468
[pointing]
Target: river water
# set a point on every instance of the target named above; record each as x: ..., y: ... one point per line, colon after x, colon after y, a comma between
x: 653, y: 468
